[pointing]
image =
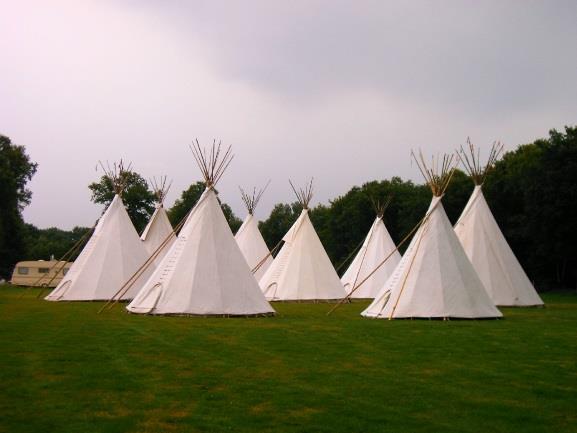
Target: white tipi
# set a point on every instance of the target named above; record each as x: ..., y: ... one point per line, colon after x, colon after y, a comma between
x: 434, y: 279
x: 111, y: 256
x: 367, y: 268
x: 204, y: 273
x: 302, y: 271
x: 249, y: 238
x: 485, y: 245
x: 158, y: 232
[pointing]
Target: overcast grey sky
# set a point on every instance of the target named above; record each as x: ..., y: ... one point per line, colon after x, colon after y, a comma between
x: 336, y: 90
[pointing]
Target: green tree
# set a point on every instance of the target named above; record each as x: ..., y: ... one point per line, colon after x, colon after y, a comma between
x: 233, y: 221
x: 281, y: 218
x: 353, y: 214
x: 457, y: 195
x: 137, y: 197
x: 533, y: 195
x: 41, y: 244
x: 343, y: 224
x: 16, y: 169
x: 188, y: 199
x: 185, y: 203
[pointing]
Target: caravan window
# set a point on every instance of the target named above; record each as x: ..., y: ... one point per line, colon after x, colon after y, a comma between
x: 23, y: 270
x: 43, y: 270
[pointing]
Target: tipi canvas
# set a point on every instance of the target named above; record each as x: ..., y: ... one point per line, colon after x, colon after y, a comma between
x: 377, y: 247
x: 250, y: 240
x: 487, y: 248
x: 112, y: 255
x: 302, y: 271
x: 204, y: 273
x: 434, y: 278
x: 158, y: 232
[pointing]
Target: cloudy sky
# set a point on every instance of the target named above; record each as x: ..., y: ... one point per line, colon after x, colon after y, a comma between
x: 336, y: 90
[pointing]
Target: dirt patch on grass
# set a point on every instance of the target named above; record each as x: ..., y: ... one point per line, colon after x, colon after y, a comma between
x: 261, y: 408
x: 304, y: 412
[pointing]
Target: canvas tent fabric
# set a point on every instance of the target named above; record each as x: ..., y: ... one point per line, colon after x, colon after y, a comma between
x: 253, y: 246
x: 377, y: 246
x: 111, y: 256
x: 302, y: 271
x: 434, y: 278
x: 204, y: 273
x: 492, y: 257
x: 157, y: 231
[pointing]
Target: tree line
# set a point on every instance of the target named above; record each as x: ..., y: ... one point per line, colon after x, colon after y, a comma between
x: 531, y: 190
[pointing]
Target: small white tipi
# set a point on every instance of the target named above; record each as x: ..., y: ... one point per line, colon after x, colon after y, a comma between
x: 111, y: 256
x: 302, y: 271
x: 368, y: 268
x: 204, y: 273
x: 434, y: 279
x: 158, y: 232
x: 485, y: 245
x: 249, y: 238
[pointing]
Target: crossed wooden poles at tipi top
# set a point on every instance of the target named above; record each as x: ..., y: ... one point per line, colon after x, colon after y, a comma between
x: 471, y: 159
x: 160, y: 188
x: 251, y: 201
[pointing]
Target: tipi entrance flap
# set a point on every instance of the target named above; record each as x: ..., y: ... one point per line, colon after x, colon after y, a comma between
x: 149, y: 299
x: 61, y: 290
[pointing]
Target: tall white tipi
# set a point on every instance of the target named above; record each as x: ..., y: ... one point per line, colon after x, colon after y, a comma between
x: 485, y: 245
x: 302, y: 271
x: 112, y: 255
x: 249, y: 238
x: 158, y: 233
x: 374, y: 262
x: 204, y: 273
x: 434, y: 279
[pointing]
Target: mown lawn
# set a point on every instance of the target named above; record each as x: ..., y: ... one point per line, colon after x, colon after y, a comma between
x: 63, y: 368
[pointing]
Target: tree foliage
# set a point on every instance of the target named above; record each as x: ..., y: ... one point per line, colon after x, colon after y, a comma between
x: 16, y: 169
x: 42, y: 244
x: 532, y: 192
x: 279, y: 222
x: 188, y: 199
x: 137, y: 197
x: 185, y: 203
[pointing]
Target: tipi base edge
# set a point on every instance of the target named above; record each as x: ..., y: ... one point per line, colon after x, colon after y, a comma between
x: 231, y: 316
x: 306, y: 301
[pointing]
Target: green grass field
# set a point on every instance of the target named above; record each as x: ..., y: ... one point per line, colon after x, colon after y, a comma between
x: 63, y: 368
